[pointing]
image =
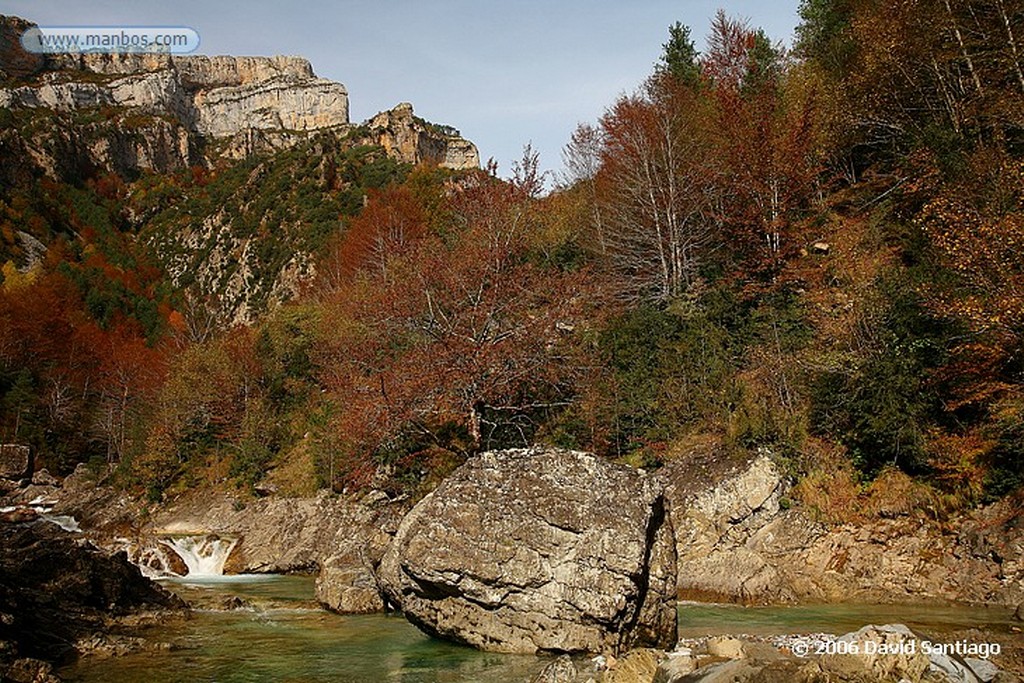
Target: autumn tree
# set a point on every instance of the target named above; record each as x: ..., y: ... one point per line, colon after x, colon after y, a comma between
x: 657, y: 189
x: 391, y: 221
x: 764, y: 142
x: 454, y: 345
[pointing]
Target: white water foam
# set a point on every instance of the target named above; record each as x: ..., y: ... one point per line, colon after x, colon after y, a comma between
x: 204, y: 555
x: 65, y: 522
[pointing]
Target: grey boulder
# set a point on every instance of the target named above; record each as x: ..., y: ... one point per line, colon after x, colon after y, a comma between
x: 538, y: 550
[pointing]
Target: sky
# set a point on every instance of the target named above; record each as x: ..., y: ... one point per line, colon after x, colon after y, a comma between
x: 505, y: 73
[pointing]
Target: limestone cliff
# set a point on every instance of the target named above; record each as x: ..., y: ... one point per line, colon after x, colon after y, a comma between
x: 410, y: 139
x: 279, y: 165
x: 206, y: 107
x: 214, y: 96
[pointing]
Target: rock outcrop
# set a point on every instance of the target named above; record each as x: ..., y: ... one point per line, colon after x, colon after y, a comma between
x: 410, y: 139
x: 538, y: 550
x: 213, y: 96
x: 56, y: 589
x: 717, y: 506
x: 275, y: 534
x: 737, y: 542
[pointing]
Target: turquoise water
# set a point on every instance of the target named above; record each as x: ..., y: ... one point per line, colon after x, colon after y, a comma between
x: 702, y: 619
x: 285, y: 638
x: 282, y: 636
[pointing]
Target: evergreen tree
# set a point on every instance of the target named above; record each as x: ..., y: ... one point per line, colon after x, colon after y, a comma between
x: 679, y: 56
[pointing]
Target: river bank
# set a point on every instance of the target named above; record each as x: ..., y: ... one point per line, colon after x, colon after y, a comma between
x: 738, y: 540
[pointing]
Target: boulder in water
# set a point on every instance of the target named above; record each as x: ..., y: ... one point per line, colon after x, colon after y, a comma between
x: 538, y: 550
x: 346, y: 585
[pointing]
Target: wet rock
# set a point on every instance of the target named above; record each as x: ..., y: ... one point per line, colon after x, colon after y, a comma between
x: 19, y: 515
x: 562, y: 670
x: 538, y: 549
x: 234, y: 602
x: 57, y: 590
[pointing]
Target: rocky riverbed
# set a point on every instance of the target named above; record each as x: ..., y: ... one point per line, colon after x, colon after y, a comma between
x: 509, y: 552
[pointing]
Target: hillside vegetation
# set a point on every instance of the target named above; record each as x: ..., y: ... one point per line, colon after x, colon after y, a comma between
x: 815, y: 251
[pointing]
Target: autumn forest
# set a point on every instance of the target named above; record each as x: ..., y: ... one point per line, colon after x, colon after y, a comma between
x: 814, y: 250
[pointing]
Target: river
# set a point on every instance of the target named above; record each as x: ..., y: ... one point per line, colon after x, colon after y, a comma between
x: 282, y: 636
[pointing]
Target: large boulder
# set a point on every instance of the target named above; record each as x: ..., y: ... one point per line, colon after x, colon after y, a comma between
x: 346, y: 584
x: 538, y: 550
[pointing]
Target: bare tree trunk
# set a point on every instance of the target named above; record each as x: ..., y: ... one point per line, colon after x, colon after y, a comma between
x: 1013, y: 43
x: 963, y: 48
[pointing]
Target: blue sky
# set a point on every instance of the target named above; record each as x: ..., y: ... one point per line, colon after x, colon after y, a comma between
x: 504, y: 73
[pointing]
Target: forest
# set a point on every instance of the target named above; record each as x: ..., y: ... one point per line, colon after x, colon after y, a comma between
x: 815, y: 250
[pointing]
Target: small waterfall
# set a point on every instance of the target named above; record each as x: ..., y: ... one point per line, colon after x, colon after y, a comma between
x: 203, y: 555
x: 65, y: 522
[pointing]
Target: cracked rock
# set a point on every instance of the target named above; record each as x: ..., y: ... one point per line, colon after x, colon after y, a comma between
x: 538, y: 550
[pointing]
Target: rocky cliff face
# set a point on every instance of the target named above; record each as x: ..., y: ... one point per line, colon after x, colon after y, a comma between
x: 212, y: 96
x: 250, y: 242
x: 412, y: 140
x: 736, y: 542
x: 221, y: 98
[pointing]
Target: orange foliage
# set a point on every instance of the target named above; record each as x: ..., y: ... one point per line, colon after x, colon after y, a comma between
x: 445, y: 335
x: 390, y: 223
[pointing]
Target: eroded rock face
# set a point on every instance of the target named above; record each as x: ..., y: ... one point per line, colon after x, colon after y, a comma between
x: 737, y: 542
x: 412, y: 140
x: 214, y: 96
x: 717, y: 507
x: 535, y: 550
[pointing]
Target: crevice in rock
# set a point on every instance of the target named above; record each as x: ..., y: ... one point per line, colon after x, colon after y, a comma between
x: 628, y: 636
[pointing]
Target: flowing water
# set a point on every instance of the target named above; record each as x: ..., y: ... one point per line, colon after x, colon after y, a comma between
x: 281, y: 636
x: 203, y: 554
